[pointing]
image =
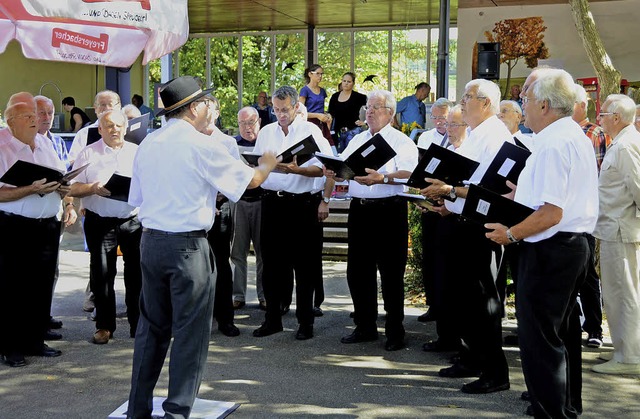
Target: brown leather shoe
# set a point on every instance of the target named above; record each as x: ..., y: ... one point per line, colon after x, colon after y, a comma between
x: 102, y: 336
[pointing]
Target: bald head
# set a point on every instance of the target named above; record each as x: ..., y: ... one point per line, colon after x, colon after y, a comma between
x: 21, y: 118
x: 21, y: 97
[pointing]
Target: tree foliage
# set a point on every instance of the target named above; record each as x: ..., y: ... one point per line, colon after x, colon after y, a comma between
x: 519, y: 39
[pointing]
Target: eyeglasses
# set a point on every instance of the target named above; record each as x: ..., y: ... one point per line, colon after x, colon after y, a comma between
x: 247, y: 124
x: 468, y: 97
x: 507, y: 110
x: 525, y: 100
x: 448, y: 125
x: 108, y: 105
x: 284, y: 111
x: 601, y: 114
x: 437, y: 118
x: 375, y: 107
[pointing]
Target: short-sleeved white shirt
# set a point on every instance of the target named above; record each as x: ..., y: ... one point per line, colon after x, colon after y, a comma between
x: 80, y: 141
x: 32, y: 206
x: 177, y: 174
x: 272, y: 138
x: 104, y: 161
x: 432, y: 137
x: 482, y: 144
x: 561, y: 171
x: 406, y: 159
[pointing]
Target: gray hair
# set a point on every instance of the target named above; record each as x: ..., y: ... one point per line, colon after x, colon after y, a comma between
x: 558, y: 89
x: 581, y: 94
x: 489, y: 90
x: 110, y: 93
x: 624, y: 106
x: 442, y: 102
x: 131, y: 111
x: 248, y: 109
x: 515, y: 106
x: 389, y: 99
x: 455, y: 109
x: 115, y: 112
x: 286, y: 92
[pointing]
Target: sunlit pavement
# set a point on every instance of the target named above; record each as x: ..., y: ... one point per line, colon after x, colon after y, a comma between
x: 277, y: 376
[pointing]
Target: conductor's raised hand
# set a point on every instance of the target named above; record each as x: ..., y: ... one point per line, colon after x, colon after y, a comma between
x: 371, y: 178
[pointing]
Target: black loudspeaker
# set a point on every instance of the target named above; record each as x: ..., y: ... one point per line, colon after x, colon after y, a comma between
x: 489, y: 60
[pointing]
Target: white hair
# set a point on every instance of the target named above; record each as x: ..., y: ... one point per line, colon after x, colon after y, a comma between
x: 248, y: 109
x: 581, y: 94
x: 624, y: 106
x: 389, y: 99
x: 489, y: 90
x: 513, y: 104
x: 442, y: 102
x: 557, y: 88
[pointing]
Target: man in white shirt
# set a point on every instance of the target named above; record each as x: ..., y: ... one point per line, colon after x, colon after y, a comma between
x: 28, y: 259
x: 378, y: 228
x: 477, y: 272
x: 291, y: 237
x: 438, y: 134
x: 109, y: 223
x: 618, y: 229
x: 559, y: 182
x: 177, y: 174
x: 511, y: 115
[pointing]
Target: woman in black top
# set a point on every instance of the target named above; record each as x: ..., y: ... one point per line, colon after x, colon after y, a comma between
x: 78, y: 118
x: 344, y: 107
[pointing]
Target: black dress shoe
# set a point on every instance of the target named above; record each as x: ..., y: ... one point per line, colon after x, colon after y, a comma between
x: 14, y: 360
x: 352, y: 314
x: 50, y: 335
x: 317, y: 312
x: 484, y: 386
x: 304, y: 332
x: 54, y: 324
x: 525, y: 396
x: 229, y: 329
x: 458, y: 370
x: 440, y: 346
x: 529, y: 411
x: 266, y: 330
x: 454, y: 359
x: 394, y: 344
x: 358, y: 336
x: 45, y: 351
x: 427, y: 317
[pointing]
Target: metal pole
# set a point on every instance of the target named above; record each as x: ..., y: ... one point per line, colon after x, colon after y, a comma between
x: 442, y: 69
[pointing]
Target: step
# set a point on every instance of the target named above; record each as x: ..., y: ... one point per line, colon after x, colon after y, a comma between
x: 339, y: 205
x: 335, y: 233
x: 336, y: 218
x: 334, y: 251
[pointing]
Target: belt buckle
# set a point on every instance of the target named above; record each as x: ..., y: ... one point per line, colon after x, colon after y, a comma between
x: 280, y: 194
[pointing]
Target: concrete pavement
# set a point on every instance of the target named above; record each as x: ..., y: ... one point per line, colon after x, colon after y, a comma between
x: 277, y: 376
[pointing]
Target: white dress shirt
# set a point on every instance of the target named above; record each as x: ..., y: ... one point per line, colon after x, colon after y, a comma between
x: 104, y: 161
x: 405, y: 159
x: 272, y: 138
x: 80, y: 141
x: 619, y: 189
x: 561, y: 171
x: 227, y: 141
x: 32, y: 206
x: 526, y: 139
x: 177, y: 174
x: 432, y: 137
x: 482, y: 144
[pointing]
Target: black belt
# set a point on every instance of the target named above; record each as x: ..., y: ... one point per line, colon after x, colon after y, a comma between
x: 289, y: 195
x: 251, y: 198
x: 22, y: 217
x: 195, y: 233
x: 377, y: 201
x: 86, y: 211
x: 568, y: 235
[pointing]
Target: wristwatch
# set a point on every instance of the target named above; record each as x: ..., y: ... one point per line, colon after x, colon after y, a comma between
x: 452, y: 193
x: 511, y: 237
x: 326, y: 199
x: 385, y: 179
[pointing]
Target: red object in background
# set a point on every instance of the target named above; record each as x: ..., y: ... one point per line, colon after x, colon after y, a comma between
x: 592, y: 87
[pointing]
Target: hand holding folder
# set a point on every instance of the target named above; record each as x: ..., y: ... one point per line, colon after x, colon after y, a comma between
x: 119, y: 187
x: 24, y: 173
x: 440, y: 163
x: 303, y: 151
x: 483, y: 206
x: 506, y: 166
x: 373, y: 154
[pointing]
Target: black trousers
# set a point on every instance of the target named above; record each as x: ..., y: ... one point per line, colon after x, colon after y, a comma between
x: 291, y: 242
x: 430, y: 244
x: 28, y: 256
x: 591, y: 294
x: 480, y: 305
x: 104, y: 235
x: 378, y: 240
x: 551, y: 273
x: 219, y: 238
x: 444, y: 240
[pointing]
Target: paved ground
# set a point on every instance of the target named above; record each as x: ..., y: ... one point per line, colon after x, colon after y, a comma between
x: 277, y: 376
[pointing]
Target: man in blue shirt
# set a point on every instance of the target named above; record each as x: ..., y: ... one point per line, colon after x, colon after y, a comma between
x: 45, y: 120
x: 412, y: 109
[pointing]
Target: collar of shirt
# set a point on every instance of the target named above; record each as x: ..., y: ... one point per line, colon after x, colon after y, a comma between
x: 622, y: 133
